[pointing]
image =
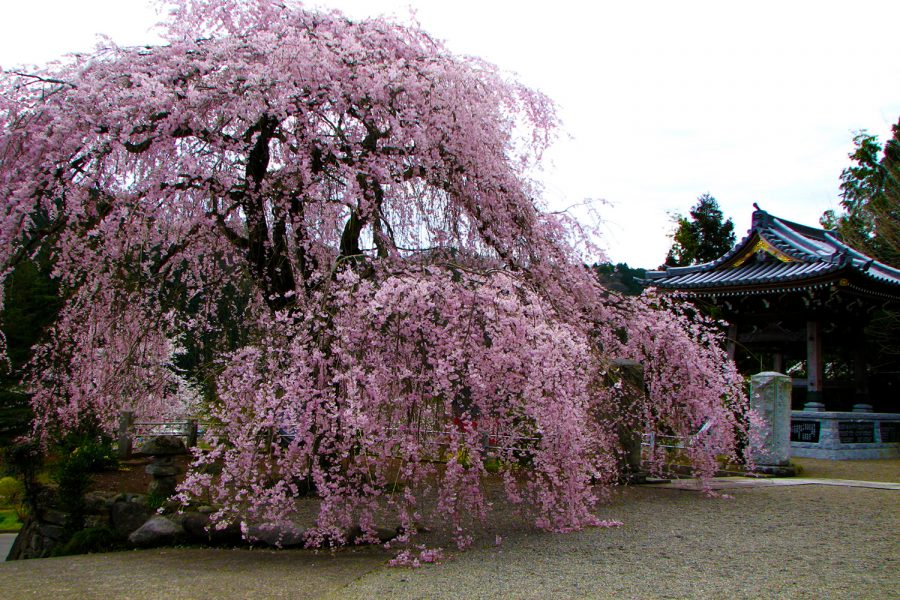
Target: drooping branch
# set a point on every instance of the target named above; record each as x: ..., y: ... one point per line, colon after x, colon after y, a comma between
x: 366, y: 128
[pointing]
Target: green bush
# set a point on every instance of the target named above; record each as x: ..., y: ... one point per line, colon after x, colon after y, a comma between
x: 24, y: 459
x: 12, y: 492
x: 155, y: 500
x: 92, y: 451
x: 94, y: 539
x: 10, y: 520
x: 80, y: 454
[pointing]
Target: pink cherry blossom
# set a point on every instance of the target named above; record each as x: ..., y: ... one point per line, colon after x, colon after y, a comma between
x: 338, y: 216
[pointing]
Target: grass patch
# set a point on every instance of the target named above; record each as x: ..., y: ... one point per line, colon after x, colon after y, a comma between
x: 9, y: 520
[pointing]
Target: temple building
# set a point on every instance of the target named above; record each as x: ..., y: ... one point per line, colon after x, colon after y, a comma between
x: 800, y: 301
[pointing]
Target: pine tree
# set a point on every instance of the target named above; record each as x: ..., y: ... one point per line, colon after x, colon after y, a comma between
x: 870, y: 198
x: 703, y: 238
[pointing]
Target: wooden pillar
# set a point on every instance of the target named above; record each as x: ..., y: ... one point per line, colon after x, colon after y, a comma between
x: 815, y: 364
x: 731, y: 341
x: 860, y: 372
x: 778, y: 362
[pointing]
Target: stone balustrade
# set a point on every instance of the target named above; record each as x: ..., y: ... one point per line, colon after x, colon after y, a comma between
x: 816, y: 433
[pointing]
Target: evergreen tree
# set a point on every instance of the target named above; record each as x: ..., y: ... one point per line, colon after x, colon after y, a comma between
x: 703, y: 237
x: 31, y: 304
x: 870, y: 198
x: 870, y: 222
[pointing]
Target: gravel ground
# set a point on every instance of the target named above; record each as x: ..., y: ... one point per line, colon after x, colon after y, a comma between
x: 802, y: 542
x: 809, y: 541
x: 887, y: 469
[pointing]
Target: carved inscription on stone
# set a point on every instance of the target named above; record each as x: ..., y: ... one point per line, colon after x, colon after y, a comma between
x: 805, y: 431
x: 856, y: 432
x: 890, y: 431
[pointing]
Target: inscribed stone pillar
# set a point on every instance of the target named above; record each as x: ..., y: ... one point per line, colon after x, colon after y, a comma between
x: 630, y: 375
x: 770, y: 397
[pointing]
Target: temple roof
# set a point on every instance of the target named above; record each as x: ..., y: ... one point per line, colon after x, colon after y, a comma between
x: 780, y: 254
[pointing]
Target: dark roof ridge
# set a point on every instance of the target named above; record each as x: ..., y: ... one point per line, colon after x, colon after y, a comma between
x: 804, y: 244
x: 762, y: 217
x: 795, y: 242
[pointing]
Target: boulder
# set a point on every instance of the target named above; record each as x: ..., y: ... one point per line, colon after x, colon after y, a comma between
x: 31, y: 542
x: 139, y: 499
x: 198, y: 528
x: 283, y: 535
x: 97, y: 502
x: 163, y: 445
x: 157, y: 531
x: 52, y: 532
x: 230, y: 535
x: 124, y: 497
x: 126, y: 517
x: 93, y: 521
x: 56, y: 517
x: 194, y: 525
x: 385, y: 534
x: 355, y: 535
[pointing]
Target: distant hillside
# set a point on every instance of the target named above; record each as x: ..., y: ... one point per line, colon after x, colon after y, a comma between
x: 620, y: 277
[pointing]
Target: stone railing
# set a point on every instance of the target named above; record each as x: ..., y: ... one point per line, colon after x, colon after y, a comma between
x: 844, y: 435
x: 131, y: 430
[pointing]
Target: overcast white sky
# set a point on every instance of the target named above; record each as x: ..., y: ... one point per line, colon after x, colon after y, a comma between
x: 660, y: 101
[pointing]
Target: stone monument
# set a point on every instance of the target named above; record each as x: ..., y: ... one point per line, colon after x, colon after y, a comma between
x: 770, y: 397
x: 629, y: 375
x: 163, y: 449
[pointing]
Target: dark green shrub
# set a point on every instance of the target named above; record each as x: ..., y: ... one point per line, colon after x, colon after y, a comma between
x: 24, y: 459
x: 156, y: 500
x: 94, y: 539
x: 15, y: 413
x: 95, y: 450
x: 80, y: 454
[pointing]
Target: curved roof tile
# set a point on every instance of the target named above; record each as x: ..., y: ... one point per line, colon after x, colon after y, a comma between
x: 814, y: 253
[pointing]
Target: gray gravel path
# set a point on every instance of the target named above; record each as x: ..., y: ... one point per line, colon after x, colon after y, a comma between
x: 801, y: 541
x: 791, y: 542
x: 187, y: 573
x: 6, y: 542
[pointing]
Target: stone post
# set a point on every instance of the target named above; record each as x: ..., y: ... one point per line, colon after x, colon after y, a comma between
x: 126, y: 420
x: 192, y: 433
x: 630, y: 375
x: 770, y: 397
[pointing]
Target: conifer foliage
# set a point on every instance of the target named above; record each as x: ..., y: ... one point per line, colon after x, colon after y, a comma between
x: 870, y: 198
x: 703, y: 237
x: 337, y: 216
